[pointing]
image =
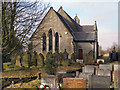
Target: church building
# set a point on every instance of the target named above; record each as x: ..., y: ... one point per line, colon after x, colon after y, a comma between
x: 59, y: 32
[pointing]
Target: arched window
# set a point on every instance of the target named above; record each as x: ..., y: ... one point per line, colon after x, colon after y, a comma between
x: 44, y: 41
x: 50, y: 39
x: 56, y: 41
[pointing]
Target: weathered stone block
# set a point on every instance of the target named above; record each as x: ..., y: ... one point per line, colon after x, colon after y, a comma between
x: 105, y: 66
x: 50, y: 81
x: 89, y: 69
x: 96, y: 81
x: 101, y: 72
x: 84, y: 76
x: 74, y: 83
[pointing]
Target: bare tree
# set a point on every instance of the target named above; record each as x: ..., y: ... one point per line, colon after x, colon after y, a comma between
x: 19, y: 20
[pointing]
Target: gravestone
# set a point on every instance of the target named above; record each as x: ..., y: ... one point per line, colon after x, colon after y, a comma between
x: 105, y: 66
x: 89, y: 69
x: 77, y: 74
x: 51, y: 81
x: 40, y: 60
x: 85, y: 76
x: 79, y: 61
x: 116, y: 76
x: 18, y: 60
x: 65, y: 55
x: 102, y: 72
x: 96, y: 81
x: 116, y: 67
x: 24, y: 61
x: 74, y: 83
x: 114, y: 56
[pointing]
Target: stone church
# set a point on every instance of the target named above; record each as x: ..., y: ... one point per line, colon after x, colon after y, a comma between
x: 59, y: 32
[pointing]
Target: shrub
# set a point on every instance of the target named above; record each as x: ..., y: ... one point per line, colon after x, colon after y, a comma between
x: 65, y: 62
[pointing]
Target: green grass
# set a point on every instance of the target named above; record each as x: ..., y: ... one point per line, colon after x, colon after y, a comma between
x: 115, y: 62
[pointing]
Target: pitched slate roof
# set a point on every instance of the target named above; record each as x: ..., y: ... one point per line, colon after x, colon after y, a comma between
x: 80, y: 33
x: 82, y: 36
x: 87, y: 28
x: 68, y: 20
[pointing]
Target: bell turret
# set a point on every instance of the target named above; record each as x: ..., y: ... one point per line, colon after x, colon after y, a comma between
x: 77, y: 20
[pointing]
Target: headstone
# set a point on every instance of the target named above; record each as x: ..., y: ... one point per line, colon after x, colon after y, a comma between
x: 116, y: 76
x: 117, y: 79
x: 85, y: 76
x: 102, y: 72
x: 65, y: 55
x: 74, y: 83
x: 40, y: 60
x: 114, y: 56
x: 77, y: 74
x: 18, y: 61
x: 50, y: 81
x: 89, y: 69
x: 116, y: 67
x: 105, y: 66
x: 24, y: 61
x: 57, y: 57
x: 96, y: 81
x: 79, y: 61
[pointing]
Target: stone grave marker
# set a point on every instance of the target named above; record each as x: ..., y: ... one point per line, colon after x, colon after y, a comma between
x: 89, y: 69
x: 51, y: 81
x: 102, y: 72
x: 85, y: 76
x: 116, y: 67
x: 105, y: 66
x: 74, y: 83
x: 77, y: 74
x: 96, y: 81
x: 116, y: 76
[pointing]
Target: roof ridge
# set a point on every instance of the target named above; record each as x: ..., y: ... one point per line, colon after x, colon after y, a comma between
x: 87, y: 25
x: 64, y: 22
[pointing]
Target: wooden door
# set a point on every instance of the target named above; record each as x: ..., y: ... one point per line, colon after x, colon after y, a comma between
x: 80, y: 54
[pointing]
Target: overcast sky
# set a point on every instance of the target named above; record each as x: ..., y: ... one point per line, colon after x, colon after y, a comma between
x: 105, y: 13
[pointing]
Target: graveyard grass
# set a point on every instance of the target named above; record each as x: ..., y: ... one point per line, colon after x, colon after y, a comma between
x: 14, y: 71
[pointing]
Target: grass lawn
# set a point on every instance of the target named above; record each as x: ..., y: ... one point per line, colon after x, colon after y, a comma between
x: 32, y: 84
x: 23, y: 72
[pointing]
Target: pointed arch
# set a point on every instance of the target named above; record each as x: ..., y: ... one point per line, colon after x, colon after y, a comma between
x: 44, y: 41
x: 50, y: 39
x: 56, y: 41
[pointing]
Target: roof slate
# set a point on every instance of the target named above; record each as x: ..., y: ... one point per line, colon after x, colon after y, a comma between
x: 79, y: 32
